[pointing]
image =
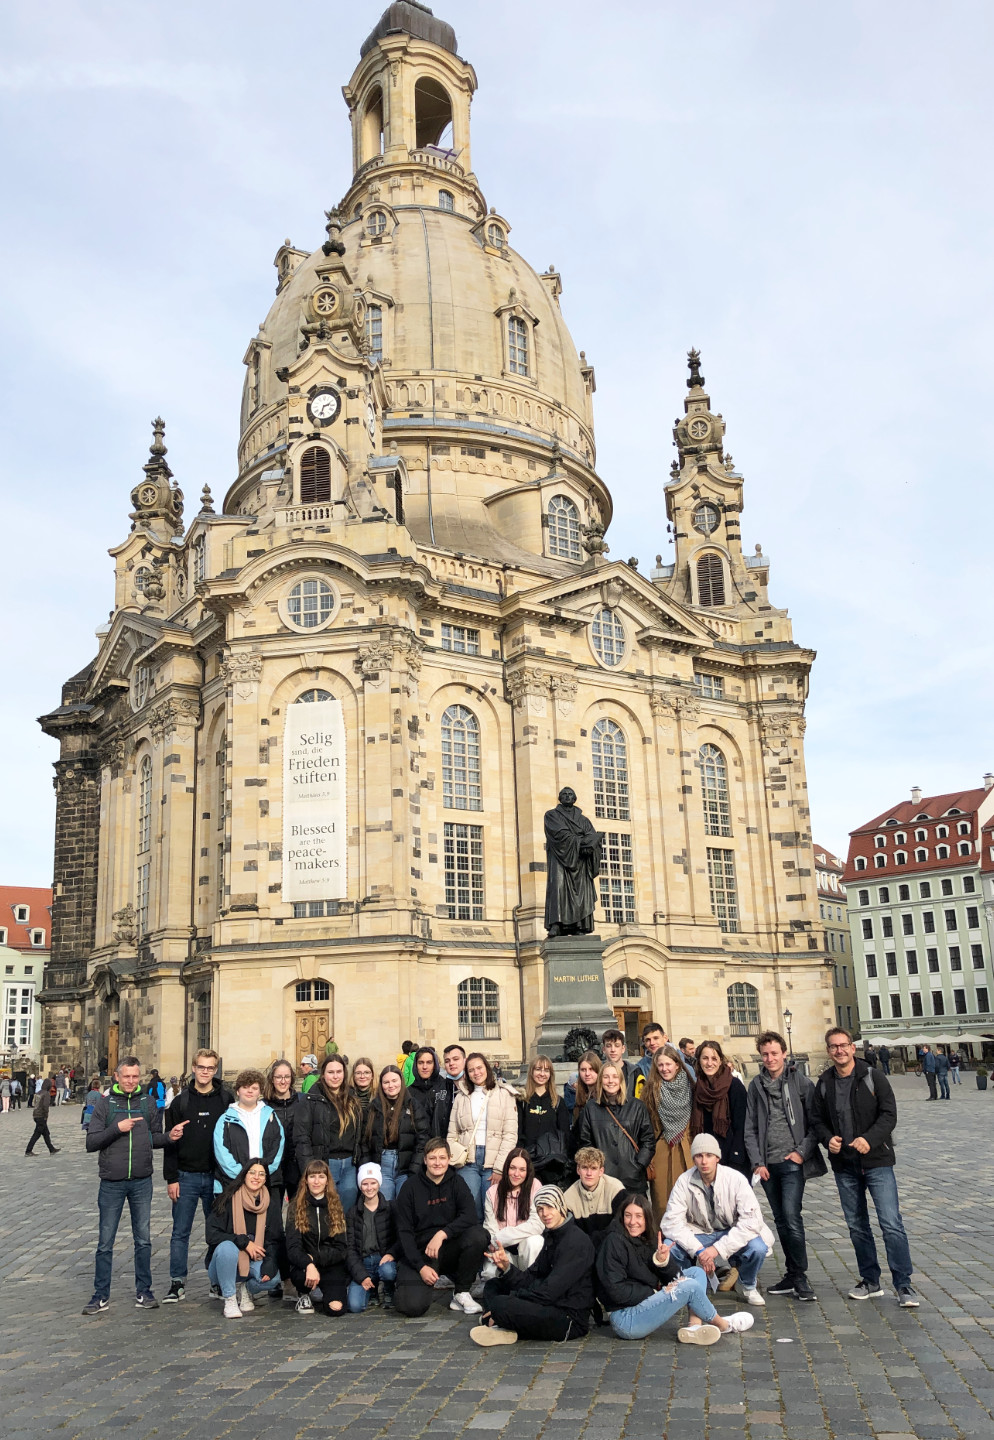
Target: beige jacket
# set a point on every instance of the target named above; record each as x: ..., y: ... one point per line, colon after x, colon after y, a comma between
x: 502, y: 1124
x: 736, y: 1213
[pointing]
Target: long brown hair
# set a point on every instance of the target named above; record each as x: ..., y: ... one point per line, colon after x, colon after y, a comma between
x: 302, y: 1205
x: 269, y: 1093
x: 391, y: 1109
x: 550, y: 1084
x: 590, y: 1057
x: 343, y: 1100
x: 650, y: 1094
x: 504, y: 1188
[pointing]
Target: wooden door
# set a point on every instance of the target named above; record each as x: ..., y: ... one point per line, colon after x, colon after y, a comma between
x: 630, y: 1024
x: 313, y: 1032
x: 113, y: 1037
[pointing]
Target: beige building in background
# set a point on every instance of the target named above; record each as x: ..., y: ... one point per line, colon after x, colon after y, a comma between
x: 416, y: 530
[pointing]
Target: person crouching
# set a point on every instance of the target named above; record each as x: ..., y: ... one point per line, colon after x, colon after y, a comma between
x: 551, y: 1300
x: 316, y: 1243
x: 244, y: 1231
x: 372, y: 1243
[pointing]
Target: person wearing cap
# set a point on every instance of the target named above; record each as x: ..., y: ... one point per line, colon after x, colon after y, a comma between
x: 713, y: 1216
x: 308, y: 1072
x: 372, y: 1243
x: 552, y: 1299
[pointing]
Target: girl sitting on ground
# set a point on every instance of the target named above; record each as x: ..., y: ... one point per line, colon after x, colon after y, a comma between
x: 316, y: 1243
x: 510, y: 1217
x: 244, y: 1234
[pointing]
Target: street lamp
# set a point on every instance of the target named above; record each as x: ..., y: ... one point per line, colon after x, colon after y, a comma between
x: 787, y: 1017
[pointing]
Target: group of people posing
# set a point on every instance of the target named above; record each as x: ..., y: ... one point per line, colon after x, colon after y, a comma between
x: 626, y: 1201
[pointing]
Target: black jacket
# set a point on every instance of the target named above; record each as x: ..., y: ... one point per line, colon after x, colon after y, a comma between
x: 625, y: 1271
x: 195, y: 1152
x: 220, y: 1226
x: 562, y: 1275
x: 125, y: 1155
x: 285, y: 1111
x: 798, y: 1094
x: 733, y: 1144
x: 316, y: 1245
x: 874, y: 1112
x: 412, y: 1135
x: 434, y: 1099
x: 600, y: 1126
x: 386, y: 1236
x: 316, y: 1133
x: 422, y: 1208
x: 537, y: 1118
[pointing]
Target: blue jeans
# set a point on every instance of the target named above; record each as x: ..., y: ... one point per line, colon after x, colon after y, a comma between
x: 637, y: 1321
x: 943, y: 1078
x: 954, y: 1075
x: 785, y: 1191
x: 392, y: 1183
x: 377, y: 1269
x: 852, y: 1185
x: 747, y: 1261
x: 195, y: 1188
x: 223, y: 1271
x: 344, y: 1175
x: 111, y: 1199
x: 477, y: 1177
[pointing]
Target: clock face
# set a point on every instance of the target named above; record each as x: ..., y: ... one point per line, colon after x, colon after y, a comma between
x: 325, y: 406
x: 706, y: 519
x: 370, y: 421
x: 699, y: 428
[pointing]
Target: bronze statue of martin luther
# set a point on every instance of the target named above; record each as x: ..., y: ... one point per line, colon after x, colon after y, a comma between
x: 573, y: 850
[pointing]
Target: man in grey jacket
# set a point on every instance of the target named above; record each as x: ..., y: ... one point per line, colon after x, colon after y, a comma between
x: 125, y: 1128
x: 783, y: 1152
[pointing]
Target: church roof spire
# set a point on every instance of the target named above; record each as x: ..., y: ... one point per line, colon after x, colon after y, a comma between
x: 157, y: 501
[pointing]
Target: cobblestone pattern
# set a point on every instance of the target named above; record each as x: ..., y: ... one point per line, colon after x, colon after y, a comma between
x: 835, y: 1370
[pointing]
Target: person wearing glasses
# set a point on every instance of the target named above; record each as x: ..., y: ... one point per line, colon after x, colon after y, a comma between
x: 188, y: 1163
x: 854, y: 1114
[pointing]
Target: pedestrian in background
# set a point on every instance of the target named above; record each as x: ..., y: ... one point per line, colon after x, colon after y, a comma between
x: 930, y: 1071
x: 955, y: 1061
x: 5, y: 1093
x: 942, y: 1073
x: 43, y: 1104
x: 884, y: 1054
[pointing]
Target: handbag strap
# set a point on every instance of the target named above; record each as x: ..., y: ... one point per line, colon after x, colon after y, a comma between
x: 621, y: 1127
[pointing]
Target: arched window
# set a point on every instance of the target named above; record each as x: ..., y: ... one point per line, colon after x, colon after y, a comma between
x: 311, y: 696
x: 714, y: 791
x: 315, y: 476
x: 376, y: 222
x: 610, y: 762
x: 710, y: 580
x: 141, y: 578
x: 479, y: 1009
x: 921, y: 834
x: 496, y: 237
x: 743, y: 1008
x: 374, y: 333
x: 626, y: 990
x: 432, y: 114
x: 880, y: 841
x: 143, y: 845
x: 941, y: 831
x: 608, y: 637
x: 517, y: 345
x: 310, y: 603
x: 860, y: 862
x: 900, y: 858
x: 372, y: 126
x: 446, y: 200
x: 461, y: 781
x: 964, y: 847
x: 564, y: 528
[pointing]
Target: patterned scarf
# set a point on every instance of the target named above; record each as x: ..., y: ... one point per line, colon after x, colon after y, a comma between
x: 673, y: 1104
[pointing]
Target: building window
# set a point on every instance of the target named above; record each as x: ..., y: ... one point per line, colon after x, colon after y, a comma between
x: 928, y: 922
x: 144, y: 830
x: 955, y: 963
x: 141, y: 680
x: 714, y: 791
x: 925, y: 890
x: 460, y: 639
x: 37, y: 937
x: 315, y: 476
x: 845, y: 977
x: 308, y: 990
x: 376, y: 222
x: 880, y: 861
x: 199, y: 559
x: 901, y: 858
x: 463, y: 846
x: 610, y: 766
x: 921, y: 855
x: 874, y: 1007
x: 314, y: 909
x: 721, y: 882
x: 942, y: 852
x: 891, y: 959
x: 941, y: 831
x: 479, y: 1010
x: 608, y: 637
x: 916, y: 1002
x: 887, y: 926
x: 938, y: 1003
x: 871, y: 966
x: 743, y: 1008
x: 462, y: 787
x: 860, y: 862
x: 310, y: 603
x: 895, y: 1006
x: 203, y: 1022
x: 18, y: 1017
x: 977, y: 955
x: 983, y: 1003
x: 911, y: 960
x: 141, y: 899
x: 959, y: 1002
x: 946, y: 886
x: 374, y: 333
x: 517, y: 345
x: 709, y: 687
x: 867, y: 925
x: 968, y: 885
x: 710, y: 580
x: 617, y: 879
x: 972, y: 917
x: 564, y: 528
x: 496, y: 237
x: 313, y: 697
x: 864, y: 897
x: 880, y: 841
x: 950, y: 918
x: 932, y: 956
x: 908, y: 924
x: 446, y: 200
x: 883, y: 895
x: 842, y: 941
x: 626, y: 990
x: 3, y: 941
x: 964, y: 847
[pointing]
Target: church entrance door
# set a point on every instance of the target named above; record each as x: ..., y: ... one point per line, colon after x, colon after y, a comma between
x: 113, y: 1036
x: 313, y: 1032
x: 630, y: 1024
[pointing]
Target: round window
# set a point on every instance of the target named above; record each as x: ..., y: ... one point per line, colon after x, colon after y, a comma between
x: 309, y: 604
x: 706, y: 519
x: 607, y: 636
x: 311, y: 697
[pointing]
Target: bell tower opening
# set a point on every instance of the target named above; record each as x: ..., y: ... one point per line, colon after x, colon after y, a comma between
x: 372, y: 127
x: 432, y: 115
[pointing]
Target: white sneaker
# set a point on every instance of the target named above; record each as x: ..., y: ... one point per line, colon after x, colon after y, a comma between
x: 232, y: 1310
x: 752, y: 1297
x: 304, y: 1305
x: 488, y: 1271
x: 740, y: 1320
x: 464, y: 1301
x: 245, y: 1301
x: 698, y: 1334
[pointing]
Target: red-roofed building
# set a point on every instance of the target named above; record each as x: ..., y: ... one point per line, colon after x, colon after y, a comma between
x: 25, y: 941
x: 922, y: 945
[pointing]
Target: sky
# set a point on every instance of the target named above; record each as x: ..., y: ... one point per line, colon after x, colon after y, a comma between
x: 800, y: 191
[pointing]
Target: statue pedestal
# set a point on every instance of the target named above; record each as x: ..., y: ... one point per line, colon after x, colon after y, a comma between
x: 575, y: 991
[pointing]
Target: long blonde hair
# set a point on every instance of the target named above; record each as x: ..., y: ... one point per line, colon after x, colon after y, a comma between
x: 550, y: 1084
x: 301, y: 1201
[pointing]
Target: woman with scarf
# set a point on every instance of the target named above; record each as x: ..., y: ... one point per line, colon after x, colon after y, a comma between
x: 429, y: 1089
x: 719, y: 1107
x: 668, y: 1096
x: 244, y: 1235
x: 618, y: 1127
x: 395, y: 1132
x: 329, y: 1127
x: 316, y: 1243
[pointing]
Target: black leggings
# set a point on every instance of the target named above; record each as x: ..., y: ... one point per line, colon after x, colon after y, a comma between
x: 528, y: 1318
x: 334, y: 1285
x: 41, y: 1133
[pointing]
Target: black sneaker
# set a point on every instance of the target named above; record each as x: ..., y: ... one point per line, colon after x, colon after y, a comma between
x: 55, y: 1150
x: 782, y: 1287
x: 176, y: 1291
x: 802, y: 1290
x: 216, y: 1293
x: 94, y: 1306
x: 865, y: 1291
x: 907, y: 1298
x: 145, y: 1300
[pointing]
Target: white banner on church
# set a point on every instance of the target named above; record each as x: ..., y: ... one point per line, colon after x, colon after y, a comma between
x: 314, y: 803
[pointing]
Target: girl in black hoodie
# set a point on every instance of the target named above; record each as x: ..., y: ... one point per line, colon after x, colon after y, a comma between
x: 316, y: 1243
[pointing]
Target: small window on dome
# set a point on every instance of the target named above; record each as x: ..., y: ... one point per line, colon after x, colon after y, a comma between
x: 564, y: 528
x: 517, y: 345
x: 374, y: 333
x: 496, y: 237
x: 376, y: 222
x: 706, y: 519
x: 141, y: 578
x: 446, y: 200
x: 607, y: 635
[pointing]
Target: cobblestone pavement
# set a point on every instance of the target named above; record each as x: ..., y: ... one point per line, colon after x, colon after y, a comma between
x: 829, y: 1371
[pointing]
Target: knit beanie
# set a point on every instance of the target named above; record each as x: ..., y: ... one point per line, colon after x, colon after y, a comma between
x: 704, y: 1145
x: 370, y: 1171
x: 552, y: 1196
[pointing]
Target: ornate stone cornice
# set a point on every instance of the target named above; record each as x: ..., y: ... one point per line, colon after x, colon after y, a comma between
x: 171, y: 716
x: 241, y: 669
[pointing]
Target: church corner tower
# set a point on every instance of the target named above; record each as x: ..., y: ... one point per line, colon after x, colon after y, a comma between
x: 303, y: 781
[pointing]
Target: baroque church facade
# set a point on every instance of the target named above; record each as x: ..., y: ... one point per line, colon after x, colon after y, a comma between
x: 407, y: 593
